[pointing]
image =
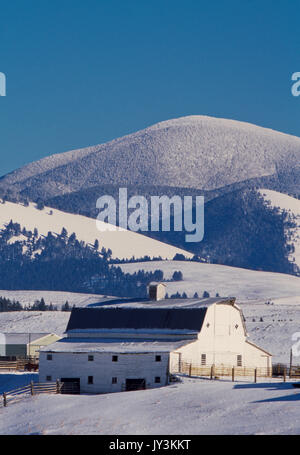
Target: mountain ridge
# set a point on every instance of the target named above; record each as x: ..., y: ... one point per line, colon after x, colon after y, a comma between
x: 195, y: 151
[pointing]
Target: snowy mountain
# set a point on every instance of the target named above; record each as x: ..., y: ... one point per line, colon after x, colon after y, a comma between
x: 291, y: 206
x: 124, y: 244
x: 193, y: 152
x: 225, y: 160
x: 242, y: 229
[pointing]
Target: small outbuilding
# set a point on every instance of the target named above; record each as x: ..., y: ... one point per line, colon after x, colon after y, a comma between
x: 22, y: 345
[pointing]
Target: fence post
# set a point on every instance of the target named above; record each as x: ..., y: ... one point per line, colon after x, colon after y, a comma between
x: 284, y: 374
x: 212, y: 372
x: 190, y: 370
x: 255, y: 375
x: 57, y: 386
x: 232, y: 374
x: 31, y: 388
x: 4, y: 399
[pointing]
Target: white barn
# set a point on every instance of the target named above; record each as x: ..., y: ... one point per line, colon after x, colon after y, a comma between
x: 128, y: 344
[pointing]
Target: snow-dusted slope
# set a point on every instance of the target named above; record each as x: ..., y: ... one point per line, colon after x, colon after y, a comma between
x: 195, y: 151
x: 227, y: 281
x: 34, y: 322
x: 291, y: 205
x: 57, y: 298
x: 195, y: 406
x: 124, y: 244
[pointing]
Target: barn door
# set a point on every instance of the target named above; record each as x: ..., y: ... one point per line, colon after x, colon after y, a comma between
x: 70, y: 386
x: 135, y: 384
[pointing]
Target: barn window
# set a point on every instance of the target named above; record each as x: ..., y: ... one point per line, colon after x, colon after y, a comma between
x: 48, y: 378
x: 203, y: 359
x: 49, y: 356
x: 114, y: 358
x: 158, y: 358
x: 114, y: 380
x: 157, y: 379
x: 90, y: 358
x: 90, y: 379
x: 239, y: 361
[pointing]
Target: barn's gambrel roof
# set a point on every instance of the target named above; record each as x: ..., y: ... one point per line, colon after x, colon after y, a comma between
x: 190, y: 319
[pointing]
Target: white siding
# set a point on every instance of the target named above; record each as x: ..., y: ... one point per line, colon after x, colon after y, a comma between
x: 103, y: 369
x: 221, y: 339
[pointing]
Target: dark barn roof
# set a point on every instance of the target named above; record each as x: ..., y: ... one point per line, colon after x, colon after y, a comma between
x: 137, y: 318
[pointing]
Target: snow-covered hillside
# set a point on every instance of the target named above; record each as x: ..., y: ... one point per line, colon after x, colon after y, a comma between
x: 291, y: 205
x: 195, y: 406
x: 227, y: 281
x: 124, y: 244
x: 34, y: 322
x: 194, y: 152
x: 57, y: 298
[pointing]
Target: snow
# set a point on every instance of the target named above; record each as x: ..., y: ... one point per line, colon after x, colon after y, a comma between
x: 57, y: 298
x: 34, y: 321
x: 272, y: 328
x: 243, y: 284
x: 124, y: 244
x: 193, y: 152
x: 195, y: 406
x: 115, y: 345
x: 292, y: 206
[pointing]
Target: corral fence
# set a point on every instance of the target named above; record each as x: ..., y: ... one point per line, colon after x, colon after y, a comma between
x: 281, y: 369
x: 22, y: 364
x: 34, y: 388
x: 235, y: 372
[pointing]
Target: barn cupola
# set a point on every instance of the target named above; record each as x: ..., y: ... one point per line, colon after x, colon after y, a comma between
x: 157, y: 291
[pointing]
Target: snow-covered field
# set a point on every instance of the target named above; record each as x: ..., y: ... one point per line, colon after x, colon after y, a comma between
x: 272, y: 328
x: 195, y: 406
x: 227, y: 281
x: 124, y: 244
x: 34, y: 322
x: 292, y: 206
x: 57, y: 298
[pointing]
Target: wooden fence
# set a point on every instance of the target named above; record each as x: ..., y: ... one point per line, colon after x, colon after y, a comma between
x: 34, y: 388
x: 217, y: 371
x: 19, y: 365
x: 294, y: 371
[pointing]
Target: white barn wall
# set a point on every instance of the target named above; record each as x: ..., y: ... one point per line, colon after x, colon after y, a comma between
x: 222, y: 339
x: 103, y: 369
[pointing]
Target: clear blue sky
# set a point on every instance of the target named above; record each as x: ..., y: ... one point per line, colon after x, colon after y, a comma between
x: 85, y: 72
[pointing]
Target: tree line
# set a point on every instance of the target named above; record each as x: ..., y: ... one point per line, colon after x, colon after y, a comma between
x: 61, y: 262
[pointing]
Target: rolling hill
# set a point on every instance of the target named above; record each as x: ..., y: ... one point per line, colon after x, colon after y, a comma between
x: 192, y: 152
x: 244, y: 284
x: 124, y: 244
